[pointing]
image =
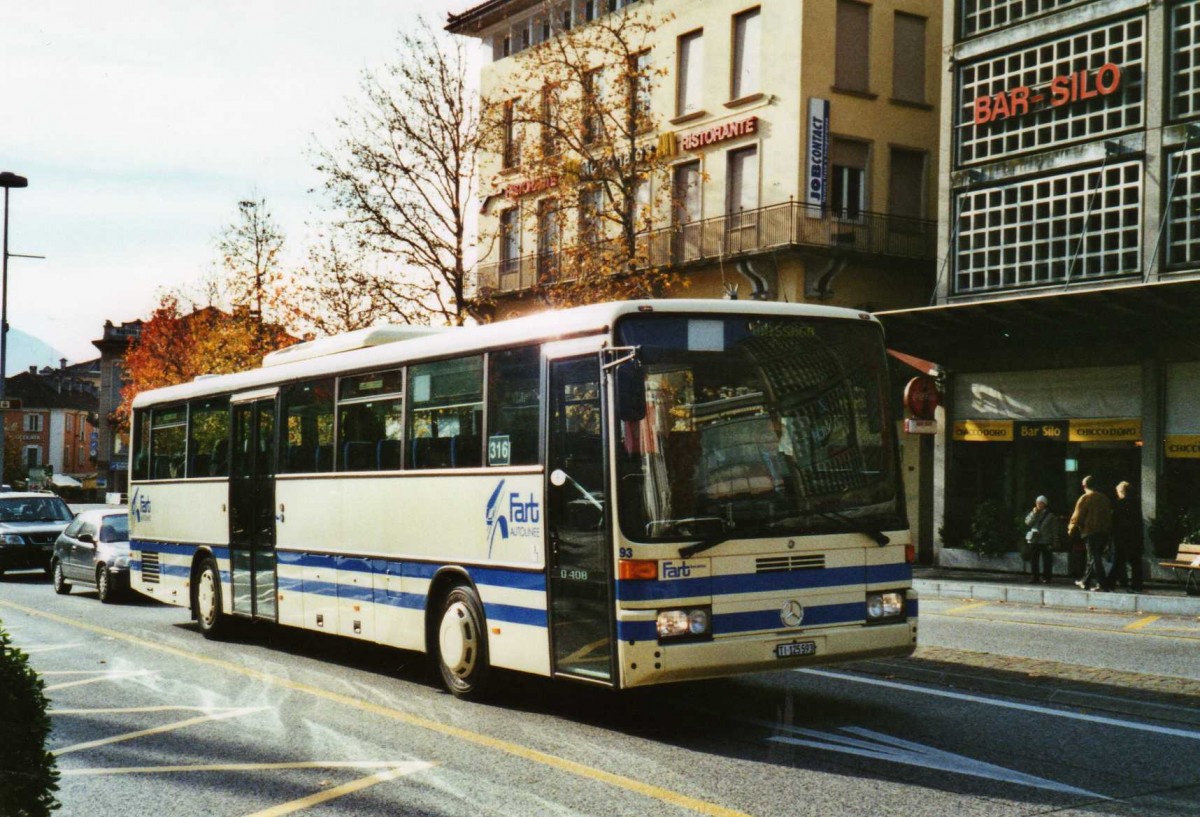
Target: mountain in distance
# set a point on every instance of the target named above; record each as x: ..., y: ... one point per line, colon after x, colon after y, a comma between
x: 24, y: 350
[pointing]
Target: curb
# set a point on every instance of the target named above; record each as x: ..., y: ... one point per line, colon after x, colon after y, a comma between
x: 1059, y: 597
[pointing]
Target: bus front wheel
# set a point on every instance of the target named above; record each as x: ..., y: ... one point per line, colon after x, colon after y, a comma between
x: 206, y: 604
x: 462, y: 654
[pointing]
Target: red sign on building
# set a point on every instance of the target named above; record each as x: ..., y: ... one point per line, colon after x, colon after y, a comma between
x: 1062, y: 90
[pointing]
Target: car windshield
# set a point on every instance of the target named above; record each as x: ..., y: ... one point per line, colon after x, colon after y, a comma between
x: 753, y: 426
x: 115, y: 528
x: 34, y: 509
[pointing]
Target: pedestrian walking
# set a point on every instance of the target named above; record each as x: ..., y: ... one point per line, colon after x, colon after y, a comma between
x: 1093, y: 520
x: 1127, y: 540
x: 1041, y: 528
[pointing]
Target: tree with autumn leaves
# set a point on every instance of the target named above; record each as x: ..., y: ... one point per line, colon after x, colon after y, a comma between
x: 575, y: 118
x: 177, y: 346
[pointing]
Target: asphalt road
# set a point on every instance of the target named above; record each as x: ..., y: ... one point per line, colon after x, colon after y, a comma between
x: 150, y: 718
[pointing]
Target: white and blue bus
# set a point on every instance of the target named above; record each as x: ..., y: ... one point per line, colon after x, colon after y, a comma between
x: 621, y: 494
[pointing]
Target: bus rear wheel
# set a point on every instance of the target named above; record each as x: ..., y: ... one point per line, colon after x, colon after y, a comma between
x: 206, y: 601
x: 461, y: 643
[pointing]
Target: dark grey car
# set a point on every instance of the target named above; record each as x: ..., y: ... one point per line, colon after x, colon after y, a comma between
x: 94, y: 550
x: 29, y: 525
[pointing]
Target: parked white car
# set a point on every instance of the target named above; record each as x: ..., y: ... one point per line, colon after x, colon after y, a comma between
x: 94, y: 551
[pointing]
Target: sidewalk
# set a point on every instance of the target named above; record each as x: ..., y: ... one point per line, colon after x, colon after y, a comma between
x: 944, y: 583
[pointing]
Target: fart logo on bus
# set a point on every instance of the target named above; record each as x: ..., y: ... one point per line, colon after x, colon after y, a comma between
x: 512, y: 514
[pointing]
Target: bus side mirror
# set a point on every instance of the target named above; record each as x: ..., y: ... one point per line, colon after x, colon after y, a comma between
x: 631, y: 393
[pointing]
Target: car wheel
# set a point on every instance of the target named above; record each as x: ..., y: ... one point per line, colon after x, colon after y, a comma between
x: 61, y: 585
x: 206, y: 602
x: 462, y: 655
x: 104, y: 588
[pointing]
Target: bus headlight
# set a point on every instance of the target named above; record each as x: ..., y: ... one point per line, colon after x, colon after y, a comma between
x: 884, y: 606
x: 693, y: 622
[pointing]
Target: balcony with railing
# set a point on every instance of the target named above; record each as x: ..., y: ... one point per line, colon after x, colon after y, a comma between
x: 788, y: 226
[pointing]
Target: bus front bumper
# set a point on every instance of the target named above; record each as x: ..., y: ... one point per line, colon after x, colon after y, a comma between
x: 646, y: 663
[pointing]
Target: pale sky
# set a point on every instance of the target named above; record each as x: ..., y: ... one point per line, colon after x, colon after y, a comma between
x: 141, y: 123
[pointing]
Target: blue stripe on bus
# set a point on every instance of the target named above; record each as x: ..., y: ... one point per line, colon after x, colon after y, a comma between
x: 885, y: 574
x: 731, y: 623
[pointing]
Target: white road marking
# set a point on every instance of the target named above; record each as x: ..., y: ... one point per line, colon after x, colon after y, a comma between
x: 878, y: 746
x: 251, y: 767
x: 97, y: 677
x: 38, y: 649
x: 211, y: 716
x: 1040, y: 710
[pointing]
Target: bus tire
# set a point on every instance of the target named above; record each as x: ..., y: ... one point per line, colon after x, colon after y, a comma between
x: 206, y: 600
x: 461, y: 644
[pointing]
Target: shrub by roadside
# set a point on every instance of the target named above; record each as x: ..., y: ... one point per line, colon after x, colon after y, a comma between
x: 28, y: 773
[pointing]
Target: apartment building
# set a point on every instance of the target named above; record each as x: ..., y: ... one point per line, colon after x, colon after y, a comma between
x: 112, y: 445
x: 52, y: 426
x: 790, y: 148
x: 1069, y: 246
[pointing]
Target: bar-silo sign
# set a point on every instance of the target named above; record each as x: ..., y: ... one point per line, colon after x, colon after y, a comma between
x: 816, y: 192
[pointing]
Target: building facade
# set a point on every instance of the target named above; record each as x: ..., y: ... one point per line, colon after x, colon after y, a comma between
x: 112, y: 445
x: 797, y: 144
x: 52, y: 429
x: 1069, y: 247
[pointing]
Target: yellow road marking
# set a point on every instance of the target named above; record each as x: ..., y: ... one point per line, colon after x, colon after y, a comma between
x: 409, y: 765
x: 340, y: 791
x: 112, y: 675
x: 157, y: 730
x: 964, y: 608
x: 131, y: 710
x: 516, y: 750
x: 1142, y: 622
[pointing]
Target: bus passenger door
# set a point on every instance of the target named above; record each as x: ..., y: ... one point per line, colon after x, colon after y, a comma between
x: 578, y: 558
x: 252, y: 509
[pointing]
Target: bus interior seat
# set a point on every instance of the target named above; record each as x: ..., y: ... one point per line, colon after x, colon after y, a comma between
x: 465, y: 451
x: 357, y: 455
x: 218, y: 463
x: 387, y: 455
x: 300, y: 458
x: 324, y: 460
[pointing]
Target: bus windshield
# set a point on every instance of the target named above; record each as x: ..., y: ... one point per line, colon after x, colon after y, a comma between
x: 753, y: 426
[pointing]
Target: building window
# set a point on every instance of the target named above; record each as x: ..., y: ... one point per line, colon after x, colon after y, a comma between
x: 591, y: 10
x: 689, y: 90
x: 979, y: 16
x: 741, y: 188
x: 639, y: 206
x: 33, y: 456
x: 550, y: 121
x: 908, y: 58
x: 547, y: 239
x: 1073, y: 226
x: 1183, y: 208
x: 747, y: 54
x: 686, y: 193
x: 1185, y: 59
x: 848, y: 185
x: 33, y: 422
x: 994, y: 120
x: 906, y: 183
x: 512, y: 148
x: 510, y: 239
x: 852, y: 63
x: 640, y: 75
x: 593, y: 120
x: 590, y: 207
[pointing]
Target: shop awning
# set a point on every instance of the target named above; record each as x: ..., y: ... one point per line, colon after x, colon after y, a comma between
x: 64, y: 481
x: 1137, y: 316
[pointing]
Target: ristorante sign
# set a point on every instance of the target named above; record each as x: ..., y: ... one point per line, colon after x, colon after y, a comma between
x: 1064, y: 89
x: 719, y: 133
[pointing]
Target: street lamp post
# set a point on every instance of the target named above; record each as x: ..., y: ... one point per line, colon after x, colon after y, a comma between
x: 7, y: 181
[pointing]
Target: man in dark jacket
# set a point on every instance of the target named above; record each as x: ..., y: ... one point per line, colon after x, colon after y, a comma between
x: 1127, y: 540
x: 1093, y: 519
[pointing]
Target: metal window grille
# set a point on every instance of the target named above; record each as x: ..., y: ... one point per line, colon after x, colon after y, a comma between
x: 1121, y: 43
x: 1183, y: 210
x: 1074, y: 226
x: 979, y: 16
x: 1185, y: 59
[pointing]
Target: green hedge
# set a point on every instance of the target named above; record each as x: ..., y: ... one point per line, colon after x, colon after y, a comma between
x: 28, y: 773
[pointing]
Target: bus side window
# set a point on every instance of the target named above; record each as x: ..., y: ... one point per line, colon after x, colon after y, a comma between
x: 141, y: 443
x: 208, y: 430
x: 514, y: 392
x: 308, y: 427
x: 446, y: 413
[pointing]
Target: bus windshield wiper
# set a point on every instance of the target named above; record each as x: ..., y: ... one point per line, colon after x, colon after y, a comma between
x: 688, y: 551
x: 846, y: 523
